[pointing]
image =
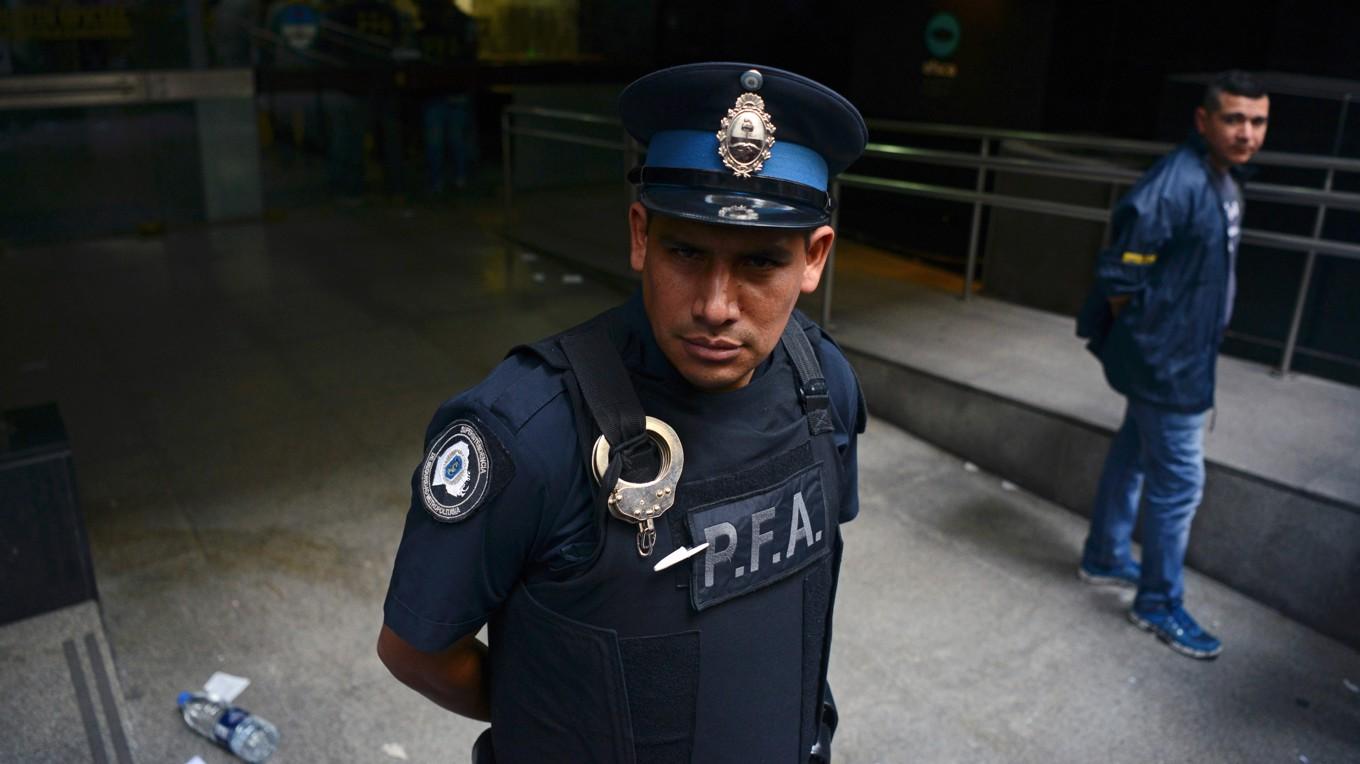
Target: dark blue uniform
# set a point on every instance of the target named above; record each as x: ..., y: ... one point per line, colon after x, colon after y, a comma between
x: 451, y: 578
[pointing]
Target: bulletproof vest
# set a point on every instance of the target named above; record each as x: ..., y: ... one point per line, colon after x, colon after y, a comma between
x: 721, y: 658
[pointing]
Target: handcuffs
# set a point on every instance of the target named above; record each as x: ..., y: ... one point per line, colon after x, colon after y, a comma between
x: 643, y: 503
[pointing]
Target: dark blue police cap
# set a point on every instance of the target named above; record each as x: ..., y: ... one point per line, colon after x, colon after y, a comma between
x: 740, y: 144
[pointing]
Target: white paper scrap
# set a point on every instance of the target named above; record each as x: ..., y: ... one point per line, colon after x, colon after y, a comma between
x: 572, y: 278
x: 1007, y: 485
x: 970, y: 467
x: 195, y: 760
x: 225, y: 686
x: 395, y: 750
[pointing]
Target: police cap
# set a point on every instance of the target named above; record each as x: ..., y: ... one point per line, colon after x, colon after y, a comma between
x: 740, y: 144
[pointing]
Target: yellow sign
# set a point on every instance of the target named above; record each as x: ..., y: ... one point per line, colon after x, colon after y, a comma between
x: 936, y: 68
x: 66, y: 22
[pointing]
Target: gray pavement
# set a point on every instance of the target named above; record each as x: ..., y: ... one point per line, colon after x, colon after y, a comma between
x: 246, y: 404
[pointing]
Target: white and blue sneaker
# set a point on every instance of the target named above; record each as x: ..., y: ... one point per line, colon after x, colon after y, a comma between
x: 1179, y: 631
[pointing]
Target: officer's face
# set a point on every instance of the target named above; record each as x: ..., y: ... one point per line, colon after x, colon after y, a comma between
x: 1236, y: 130
x: 718, y: 297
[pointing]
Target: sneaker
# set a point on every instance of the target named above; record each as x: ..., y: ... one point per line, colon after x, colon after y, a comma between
x: 1179, y: 631
x: 1125, y: 576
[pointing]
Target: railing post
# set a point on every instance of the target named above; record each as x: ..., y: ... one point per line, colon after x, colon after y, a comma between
x: 829, y: 270
x: 973, y: 234
x: 1306, y: 282
x: 507, y: 168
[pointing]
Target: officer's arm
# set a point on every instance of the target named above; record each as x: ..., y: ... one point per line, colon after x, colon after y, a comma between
x: 454, y: 678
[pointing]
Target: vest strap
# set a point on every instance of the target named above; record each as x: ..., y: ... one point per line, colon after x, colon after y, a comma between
x: 608, y: 394
x: 812, y: 392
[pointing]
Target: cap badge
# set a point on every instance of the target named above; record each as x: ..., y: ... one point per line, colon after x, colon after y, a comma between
x: 745, y: 136
x: 738, y: 212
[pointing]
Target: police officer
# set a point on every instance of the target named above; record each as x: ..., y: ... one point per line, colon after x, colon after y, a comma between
x: 645, y: 508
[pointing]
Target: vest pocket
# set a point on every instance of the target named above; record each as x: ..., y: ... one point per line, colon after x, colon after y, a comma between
x: 542, y: 710
x: 661, y: 675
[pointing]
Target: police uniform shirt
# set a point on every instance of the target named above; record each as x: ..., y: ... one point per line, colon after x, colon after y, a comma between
x: 534, y: 514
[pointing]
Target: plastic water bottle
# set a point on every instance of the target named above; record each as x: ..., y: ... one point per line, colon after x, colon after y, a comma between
x: 248, y: 736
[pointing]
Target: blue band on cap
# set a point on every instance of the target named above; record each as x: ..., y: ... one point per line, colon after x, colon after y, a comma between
x: 698, y: 150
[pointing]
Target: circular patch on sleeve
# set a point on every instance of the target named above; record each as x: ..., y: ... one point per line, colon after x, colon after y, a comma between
x: 457, y: 472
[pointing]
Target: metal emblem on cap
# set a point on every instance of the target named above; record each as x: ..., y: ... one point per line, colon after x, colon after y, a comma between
x: 746, y: 133
x: 738, y: 212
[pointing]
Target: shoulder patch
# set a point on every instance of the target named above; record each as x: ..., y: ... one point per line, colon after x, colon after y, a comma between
x: 464, y: 467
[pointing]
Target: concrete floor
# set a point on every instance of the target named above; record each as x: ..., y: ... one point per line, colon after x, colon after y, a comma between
x: 245, y: 405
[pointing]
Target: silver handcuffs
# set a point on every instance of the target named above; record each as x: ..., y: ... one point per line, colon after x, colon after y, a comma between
x: 642, y: 503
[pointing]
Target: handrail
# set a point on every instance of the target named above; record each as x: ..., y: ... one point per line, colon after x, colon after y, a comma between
x: 570, y: 116
x: 1096, y: 173
x: 353, y: 36
x: 947, y: 193
x: 49, y: 91
x: 985, y: 161
x: 1082, y: 212
x: 569, y: 138
x: 1114, y: 145
x: 282, y: 46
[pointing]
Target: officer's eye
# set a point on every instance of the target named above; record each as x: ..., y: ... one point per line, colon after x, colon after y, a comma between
x: 762, y: 263
x: 1233, y: 119
x: 686, y: 253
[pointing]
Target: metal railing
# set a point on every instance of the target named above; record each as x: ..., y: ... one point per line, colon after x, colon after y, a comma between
x: 53, y: 91
x: 985, y: 161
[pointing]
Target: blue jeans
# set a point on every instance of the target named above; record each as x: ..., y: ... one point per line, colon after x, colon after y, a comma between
x: 1158, y: 455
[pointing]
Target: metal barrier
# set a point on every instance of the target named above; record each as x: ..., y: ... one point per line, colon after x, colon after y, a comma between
x: 50, y: 91
x: 221, y: 100
x: 984, y: 161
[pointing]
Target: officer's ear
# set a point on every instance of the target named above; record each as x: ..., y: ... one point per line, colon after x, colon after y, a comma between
x: 637, y: 236
x: 1201, y: 119
x: 818, y: 249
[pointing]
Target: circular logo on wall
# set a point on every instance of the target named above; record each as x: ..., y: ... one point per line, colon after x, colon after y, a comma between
x: 942, y: 34
x: 456, y: 473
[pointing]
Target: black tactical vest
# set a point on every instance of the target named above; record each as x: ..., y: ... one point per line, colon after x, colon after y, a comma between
x: 721, y: 658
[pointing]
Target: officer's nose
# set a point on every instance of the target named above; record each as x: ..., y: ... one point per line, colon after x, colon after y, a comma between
x: 715, y: 303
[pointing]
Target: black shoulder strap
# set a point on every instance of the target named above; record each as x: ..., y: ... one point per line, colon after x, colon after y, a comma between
x: 812, y: 390
x: 609, y: 397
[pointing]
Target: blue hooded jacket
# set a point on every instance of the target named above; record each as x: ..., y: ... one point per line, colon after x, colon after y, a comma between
x: 1169, y: 255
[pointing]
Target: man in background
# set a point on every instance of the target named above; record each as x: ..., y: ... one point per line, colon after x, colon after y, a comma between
x: 1162, y: 297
